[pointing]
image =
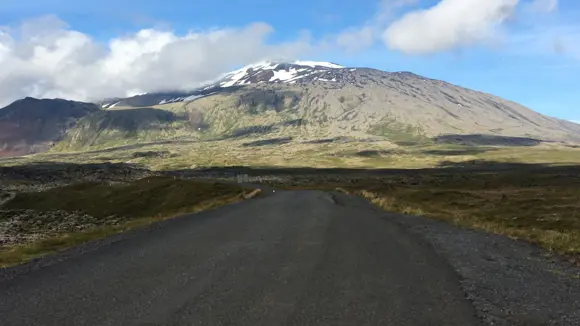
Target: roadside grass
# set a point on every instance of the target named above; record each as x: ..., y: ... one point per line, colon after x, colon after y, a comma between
x: 541, y: 206
x: 136, y: 204
x: 545, y: 216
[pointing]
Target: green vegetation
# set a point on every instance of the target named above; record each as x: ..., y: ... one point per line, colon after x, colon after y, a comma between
x: 538, y: 205
x: 135, y: 204
x: 400, y: 133
x: 184, y: 154
x: 119, y: 127
x: 147, y: 197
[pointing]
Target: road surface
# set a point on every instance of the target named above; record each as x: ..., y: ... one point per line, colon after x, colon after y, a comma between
x: 291, y: 258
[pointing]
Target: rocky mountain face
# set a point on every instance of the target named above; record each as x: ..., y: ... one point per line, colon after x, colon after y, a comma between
x: 31, y: 125
x: 315, y: 100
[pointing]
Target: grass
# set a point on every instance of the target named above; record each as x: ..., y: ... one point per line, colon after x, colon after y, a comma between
x: 399, y: 133
x: 138, y: 204
x: 540, y: 205
x: 185, y: 154
x: 546, y: 216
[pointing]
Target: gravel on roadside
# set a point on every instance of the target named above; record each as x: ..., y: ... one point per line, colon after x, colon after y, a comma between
x: 509, y: 282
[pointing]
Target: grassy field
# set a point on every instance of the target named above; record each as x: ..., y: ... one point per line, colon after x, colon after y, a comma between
x: 184, y: 154
x: 539, y: 204
x: 536, y: 201
x: 130, y: 205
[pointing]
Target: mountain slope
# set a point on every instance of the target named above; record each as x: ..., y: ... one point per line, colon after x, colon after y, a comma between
x: 379, y: 109
x: 122, y: 127
x: 31, y: 125
x: 315, y: 100
x: 267, y: 99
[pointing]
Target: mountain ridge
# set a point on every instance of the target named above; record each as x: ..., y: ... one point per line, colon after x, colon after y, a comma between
x: 267, y: 99
x: 32, y: 125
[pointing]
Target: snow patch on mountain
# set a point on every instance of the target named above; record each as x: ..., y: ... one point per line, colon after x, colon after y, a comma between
x: 110, y: 104
x: 257, y: 73
x: 274, y: 72
x: 318, y: 64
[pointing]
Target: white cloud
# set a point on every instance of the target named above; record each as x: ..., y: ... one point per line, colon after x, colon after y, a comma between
x: 357, y: 38
x: 388, y: 9
x: 448, y: 24
x: 44, y: 58
x: 544, y: 5
x: 445, y: 25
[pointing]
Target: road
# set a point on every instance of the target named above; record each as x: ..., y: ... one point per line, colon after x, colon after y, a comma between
x: 291, y: 258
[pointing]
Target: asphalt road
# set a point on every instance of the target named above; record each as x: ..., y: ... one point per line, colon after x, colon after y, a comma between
x: 292, y: 258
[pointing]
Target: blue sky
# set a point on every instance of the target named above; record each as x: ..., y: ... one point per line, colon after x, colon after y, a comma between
x: 532, y: 58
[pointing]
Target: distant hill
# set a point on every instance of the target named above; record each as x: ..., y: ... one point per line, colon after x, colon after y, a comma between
x: 30, y: 125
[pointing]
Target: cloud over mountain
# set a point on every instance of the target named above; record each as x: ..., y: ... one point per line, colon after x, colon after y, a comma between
x: 45, y: 58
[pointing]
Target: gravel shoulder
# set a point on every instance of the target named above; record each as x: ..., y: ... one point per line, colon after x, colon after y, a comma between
x: 509, y: 282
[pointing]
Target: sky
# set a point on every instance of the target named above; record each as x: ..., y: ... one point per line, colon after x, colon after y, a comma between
x: 527, y: 51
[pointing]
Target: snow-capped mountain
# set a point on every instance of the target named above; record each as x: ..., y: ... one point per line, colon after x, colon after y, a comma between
x: 277, y: 73
x: 305, y: 100
x: 264, y: 72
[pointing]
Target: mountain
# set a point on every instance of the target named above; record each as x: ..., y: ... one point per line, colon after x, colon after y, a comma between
x: 315, y: 100
x: 331, y: 100
x: 30, y: 125
x: 263, y: 72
